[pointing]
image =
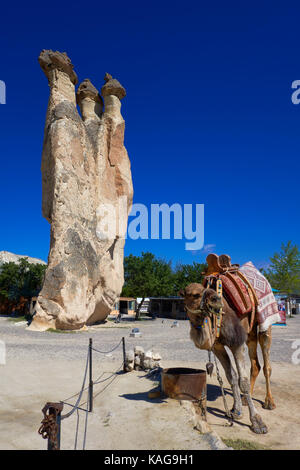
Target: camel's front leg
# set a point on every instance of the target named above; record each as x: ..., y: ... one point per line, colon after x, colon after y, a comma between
x: 258, y: 426
x: 265, y: 340
x: 232, y: 378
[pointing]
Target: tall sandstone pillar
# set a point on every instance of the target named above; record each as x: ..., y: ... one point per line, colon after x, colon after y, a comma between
x: 85, y: 169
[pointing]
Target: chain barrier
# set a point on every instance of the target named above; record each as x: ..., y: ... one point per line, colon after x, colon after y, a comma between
x: 85, y: 428
x: 209, y: 369
x: 107, y: 352
x: 107, y: 378
x: 228, y: 413
x: 50, y: 426
x: 80, y: 393
x: 114, y: 375
x: 73, y: 396
x: 77, y: 428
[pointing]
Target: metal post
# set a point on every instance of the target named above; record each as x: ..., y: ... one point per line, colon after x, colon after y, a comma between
x: 91, y: 376
x: 124, y: 354
x: 57, y: 413
x: 51, y: 424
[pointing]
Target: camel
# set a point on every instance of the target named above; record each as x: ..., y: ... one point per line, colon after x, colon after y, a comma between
x: 202, y: 304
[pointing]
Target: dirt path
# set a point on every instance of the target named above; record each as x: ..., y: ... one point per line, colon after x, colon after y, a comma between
x: 283, y: 422
x: 123, y: 416
x: 49, y: 367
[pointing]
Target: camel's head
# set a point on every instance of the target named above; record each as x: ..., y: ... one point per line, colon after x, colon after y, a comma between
x: 211, y: 302
x: 200, y: 301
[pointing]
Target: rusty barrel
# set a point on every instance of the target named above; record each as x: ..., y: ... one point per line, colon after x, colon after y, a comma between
x: 183, y: 383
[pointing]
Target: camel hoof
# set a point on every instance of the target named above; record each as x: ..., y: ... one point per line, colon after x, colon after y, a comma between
x: 269, y: 404
x: 236, y: 414
x: 258, y: 426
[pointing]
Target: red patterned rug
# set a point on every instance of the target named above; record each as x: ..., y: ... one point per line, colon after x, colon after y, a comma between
x: 267, y: 312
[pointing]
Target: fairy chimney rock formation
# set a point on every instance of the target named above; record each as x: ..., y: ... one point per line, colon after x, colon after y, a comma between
x: 86, y: 179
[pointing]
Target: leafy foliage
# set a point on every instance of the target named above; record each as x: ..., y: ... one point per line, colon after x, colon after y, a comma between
x: 284, y: 270
x: 21, y: 280
x: 185, y: 274
x: 148, y: 276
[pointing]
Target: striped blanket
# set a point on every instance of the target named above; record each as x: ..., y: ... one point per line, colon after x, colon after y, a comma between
x: 267, y: 311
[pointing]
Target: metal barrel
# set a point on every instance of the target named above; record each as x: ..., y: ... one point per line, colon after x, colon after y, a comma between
x: 183, y: 383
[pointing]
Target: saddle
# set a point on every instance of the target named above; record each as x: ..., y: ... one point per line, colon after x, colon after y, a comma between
x: 237, y: 289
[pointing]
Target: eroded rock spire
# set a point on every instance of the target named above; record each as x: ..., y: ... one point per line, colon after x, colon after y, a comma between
x: 85, y: 167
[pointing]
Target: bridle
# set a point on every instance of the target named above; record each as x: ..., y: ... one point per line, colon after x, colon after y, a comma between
x: 205, y: 312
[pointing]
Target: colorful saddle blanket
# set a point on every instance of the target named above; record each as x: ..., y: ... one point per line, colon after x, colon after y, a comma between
x: 245, y: 289
x: 267, y: 310
x: 236, y: 293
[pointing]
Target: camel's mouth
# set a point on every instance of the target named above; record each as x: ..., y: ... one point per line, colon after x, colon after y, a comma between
x: 212, y: 302
x: 208, y: 303
x: 202, y: 307
x: 215, y: 310
x: 214, y: 306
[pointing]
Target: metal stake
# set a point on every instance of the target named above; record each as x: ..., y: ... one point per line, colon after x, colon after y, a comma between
x: 91, y: 376
x: 58, y: 422
x: 51, y: 424
x: 124, y: 354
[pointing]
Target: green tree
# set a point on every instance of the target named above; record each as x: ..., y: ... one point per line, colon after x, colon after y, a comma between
x: 185, y: 274
x: 284, y: 270
x: 21, y: 279
x: 146, y: 276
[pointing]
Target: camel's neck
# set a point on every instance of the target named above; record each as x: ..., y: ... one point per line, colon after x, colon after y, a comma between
x: 202, y: 336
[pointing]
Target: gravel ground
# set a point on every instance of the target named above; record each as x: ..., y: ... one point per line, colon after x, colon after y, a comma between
x: 173, y: 343
x: 49, y: 366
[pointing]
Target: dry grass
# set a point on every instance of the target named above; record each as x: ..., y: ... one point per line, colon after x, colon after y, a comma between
x: 241, y: 444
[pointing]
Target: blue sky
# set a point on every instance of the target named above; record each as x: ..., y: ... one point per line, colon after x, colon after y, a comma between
x: 209, y: 116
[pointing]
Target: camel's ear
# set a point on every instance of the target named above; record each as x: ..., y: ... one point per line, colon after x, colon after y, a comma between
x: 181, y: 293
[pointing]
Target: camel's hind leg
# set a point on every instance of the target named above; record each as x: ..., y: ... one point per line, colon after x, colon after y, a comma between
x: 258, y: 426
x: 255, y: 366
x: 265, y: 340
